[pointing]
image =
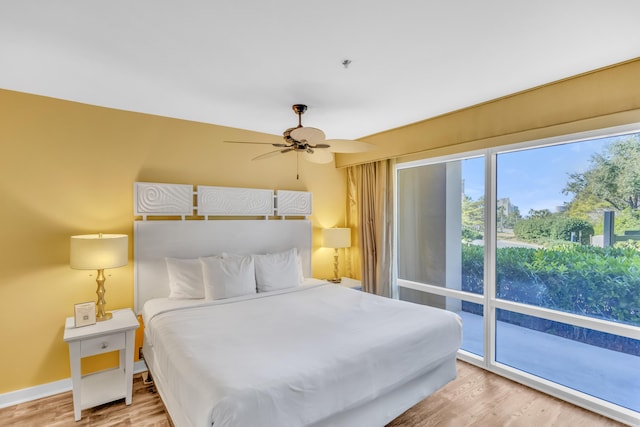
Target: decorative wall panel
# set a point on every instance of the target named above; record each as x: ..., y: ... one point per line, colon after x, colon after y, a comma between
x: 229, y: 201
x: 293, y: 203
x: 162, y: 199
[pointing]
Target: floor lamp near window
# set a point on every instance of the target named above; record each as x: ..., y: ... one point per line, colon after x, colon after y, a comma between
x: 336, y: 238
x: 98, y: 252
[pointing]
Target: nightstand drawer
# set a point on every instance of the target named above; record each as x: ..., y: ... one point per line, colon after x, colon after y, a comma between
x: 102, y: 344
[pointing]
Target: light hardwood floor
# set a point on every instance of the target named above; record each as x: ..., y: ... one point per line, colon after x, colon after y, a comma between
x: 475, y: 398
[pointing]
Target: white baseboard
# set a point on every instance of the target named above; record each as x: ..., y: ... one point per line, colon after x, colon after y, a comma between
x: 44, y: 390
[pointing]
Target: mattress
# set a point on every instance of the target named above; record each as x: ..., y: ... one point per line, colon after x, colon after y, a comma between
x: 294, y: 357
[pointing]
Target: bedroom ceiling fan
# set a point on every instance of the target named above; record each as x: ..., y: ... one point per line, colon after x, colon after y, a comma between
x: 310, y: 142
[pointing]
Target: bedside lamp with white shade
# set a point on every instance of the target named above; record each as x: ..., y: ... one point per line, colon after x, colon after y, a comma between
x: 99, y: 252
x: 336, y: 238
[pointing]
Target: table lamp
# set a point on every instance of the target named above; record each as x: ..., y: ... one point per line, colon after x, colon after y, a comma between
x: 97, y: 252
x: 336, y: 238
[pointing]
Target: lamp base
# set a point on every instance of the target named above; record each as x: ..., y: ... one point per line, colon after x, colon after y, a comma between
x: 101, y: 315
x: 336, y: 278
x: 104, y: 317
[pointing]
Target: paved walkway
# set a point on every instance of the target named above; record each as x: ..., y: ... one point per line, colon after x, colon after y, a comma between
x: 606, y: 374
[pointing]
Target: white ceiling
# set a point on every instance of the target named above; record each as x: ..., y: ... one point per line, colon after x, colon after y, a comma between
x: 243, y: 63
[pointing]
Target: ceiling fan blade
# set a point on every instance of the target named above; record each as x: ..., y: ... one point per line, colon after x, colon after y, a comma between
x: 311, y: 136
x: 272, y: 153
x: 318, y: 156
x: 349, y: 146
x: 321, y: 146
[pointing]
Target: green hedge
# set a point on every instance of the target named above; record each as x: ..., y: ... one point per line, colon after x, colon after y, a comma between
x: 594, y: 282
x: 553, y: 227
x: 586, y: 280
x: 603, y: 283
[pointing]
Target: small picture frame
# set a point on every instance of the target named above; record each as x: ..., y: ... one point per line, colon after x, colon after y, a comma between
x: 84, y: 314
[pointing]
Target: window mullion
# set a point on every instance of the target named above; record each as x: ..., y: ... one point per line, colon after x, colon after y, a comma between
x: 489, y: 259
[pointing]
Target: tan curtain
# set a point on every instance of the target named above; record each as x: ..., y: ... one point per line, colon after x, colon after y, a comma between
x: 370, y: 191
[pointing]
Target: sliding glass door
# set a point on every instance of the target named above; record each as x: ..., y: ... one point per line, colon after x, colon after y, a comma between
x: 546, y: 277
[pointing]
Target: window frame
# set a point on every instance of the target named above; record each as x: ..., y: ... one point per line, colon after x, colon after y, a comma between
x: 488, y: 299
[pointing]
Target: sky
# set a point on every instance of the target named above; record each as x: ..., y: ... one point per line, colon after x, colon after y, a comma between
x: 533, y: 178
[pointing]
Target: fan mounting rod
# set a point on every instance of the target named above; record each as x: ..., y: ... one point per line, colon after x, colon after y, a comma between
x: 299, y: 109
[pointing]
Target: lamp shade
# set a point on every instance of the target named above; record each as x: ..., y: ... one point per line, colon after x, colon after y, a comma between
x: 336, y: 237
x: 99, y: 251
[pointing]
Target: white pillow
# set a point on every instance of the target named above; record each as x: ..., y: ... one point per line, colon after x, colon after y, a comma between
x: 278, y: 270
x: 228, y: 276
x: 185, y: 278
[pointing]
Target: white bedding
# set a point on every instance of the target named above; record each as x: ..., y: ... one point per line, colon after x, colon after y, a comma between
x: 292, y: 358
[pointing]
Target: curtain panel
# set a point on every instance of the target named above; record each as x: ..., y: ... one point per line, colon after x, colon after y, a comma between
x: 370, y: 190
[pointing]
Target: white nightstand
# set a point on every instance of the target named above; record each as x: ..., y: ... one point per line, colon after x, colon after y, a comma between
x: 101, y: 387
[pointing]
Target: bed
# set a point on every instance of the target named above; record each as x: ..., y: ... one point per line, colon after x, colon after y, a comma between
x: 292, y: 351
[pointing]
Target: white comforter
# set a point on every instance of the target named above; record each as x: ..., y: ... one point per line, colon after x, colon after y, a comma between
x: 292, y: 358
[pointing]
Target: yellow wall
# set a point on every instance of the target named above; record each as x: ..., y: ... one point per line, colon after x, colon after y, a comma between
x: 594, y: 100
x: 68, y: 168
